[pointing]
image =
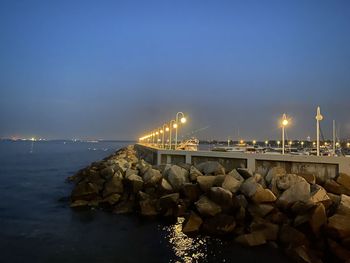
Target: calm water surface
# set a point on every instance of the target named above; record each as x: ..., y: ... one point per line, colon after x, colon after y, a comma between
x: 36, y: 225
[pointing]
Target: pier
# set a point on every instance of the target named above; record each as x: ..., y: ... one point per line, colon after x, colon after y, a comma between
x: 323, y: 167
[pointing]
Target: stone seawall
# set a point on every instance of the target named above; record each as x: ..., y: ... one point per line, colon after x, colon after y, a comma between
x: 309, y: 220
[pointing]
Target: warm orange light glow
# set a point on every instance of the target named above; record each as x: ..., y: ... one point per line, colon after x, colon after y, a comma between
x: 175, y: 126
x: 183, y: 120
x: 167, y: 129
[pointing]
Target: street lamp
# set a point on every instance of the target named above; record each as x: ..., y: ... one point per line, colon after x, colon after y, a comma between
x: 266, y: 143
x: 254, y: 142
x: 172, y: 125
x: 348, y: 144
x: 319, y: 118
x: 284, y: 124
x: 302, y: 144
x: 278, y: 144
x: 182, y: 120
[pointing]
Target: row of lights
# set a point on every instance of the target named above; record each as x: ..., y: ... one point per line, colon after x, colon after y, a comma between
x: 157, y: 136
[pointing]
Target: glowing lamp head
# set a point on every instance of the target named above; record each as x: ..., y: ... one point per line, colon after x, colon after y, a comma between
x: 161, y: 131
x: 290, y: 143
x: 348, y: 144
x: 241, y: 141
x: 174, y: 125
x: 167, y: 129
x: 302, y: 143
x: 254, y: 141
x: 278, y: 142
x: 337, y: 144
x: 157, y: 133
x: 285, y: 122
x: 266, y: 142
x: 183, y: 120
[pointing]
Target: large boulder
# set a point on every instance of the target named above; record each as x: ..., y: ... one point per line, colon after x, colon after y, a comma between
x: 220, y: 224
x: 206, y: 207
x: 191, y: 191
x: 113, y: 186
x: 344, y: 180
x: 339, y: 226
x: 344, y: 206
x: 192, y: 223
x: 287, y: 180
x: 318, y: 218
x: 221, y: 196
x: 165, y: 186
x: 169, y: 201
x: 107, y: 172
x: 85, y: 191
x: 152, y: 177
x: 135, y: 182
x: 211, y: 167
x: 274, y: 172
x: 251, y: 239
x: 336, y: 188
x: 231, y: 183
x: 260, y: 210
x: 205, y: 182
x: 244, y: 172
x: 296, y: 192
x: 177, y: 177
x: 194, y: 173
x: 319, y: 195
x: 250, y: 188
x: 148, y: 205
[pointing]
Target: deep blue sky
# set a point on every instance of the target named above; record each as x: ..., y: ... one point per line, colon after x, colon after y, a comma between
x: 111, y: 69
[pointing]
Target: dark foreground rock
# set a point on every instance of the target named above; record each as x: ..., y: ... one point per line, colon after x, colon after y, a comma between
x: 309, y: 219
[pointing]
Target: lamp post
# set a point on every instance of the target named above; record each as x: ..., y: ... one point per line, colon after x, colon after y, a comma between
x: 319, y: 118
x: 157, y: 138
x: 284, y: 124
x: 254, y: 142
x: 266, y: 143
x: 182, y: 120
x: 172, y: 125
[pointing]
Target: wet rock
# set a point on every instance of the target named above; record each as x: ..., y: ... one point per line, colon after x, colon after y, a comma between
x: 112, y: 199
x: 260, y: 210
x: 274, y: 172
x: 319, y: 195
x: 169, y: 201
x: 251, y: 240
x: 318, y: 218
x: 249, y: 187
x: 297, y: 192
x: 344, y: 180
x: 143, y: 166
x: 263, y: 195
x: 235, y: 174
x: 205, y: 182
x: 136, y: 183
x: 221, y: 196
x: 335, y: 188
x: 206, y: 207
x: 219, y: 179
x: 339, y: 226
x: 191, y: 191
x: 339, y: 251
x: 268, y: 230
x: 286, y: 181
x: 152, y: 177
x: 177, y: 177
x: 107, y: 172
x: 194, y: 173
x: 165, y: 186
x: 344, y: 206
x: 113, y: 186
x: 192, y: 223
x: 130, y: 171
x: 245, y: 173
x: 211, y: 167
x: 79, y: 203
x: 219, y: 225
x: 231, y: 184
x: 290, y: 236
x: 310, y: 178
x: 124, y: 207
x: 85, y: 191
x: 148, y: 205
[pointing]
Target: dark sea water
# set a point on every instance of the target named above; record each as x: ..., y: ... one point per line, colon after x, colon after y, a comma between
x: 37, y: 225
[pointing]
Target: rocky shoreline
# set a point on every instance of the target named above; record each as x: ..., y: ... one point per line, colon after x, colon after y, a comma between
x: 308, y: 219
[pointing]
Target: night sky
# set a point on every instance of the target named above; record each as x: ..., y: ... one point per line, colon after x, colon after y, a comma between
x: 113, y: 69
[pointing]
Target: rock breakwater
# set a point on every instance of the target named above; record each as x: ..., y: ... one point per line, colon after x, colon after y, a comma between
x: 310, y: 222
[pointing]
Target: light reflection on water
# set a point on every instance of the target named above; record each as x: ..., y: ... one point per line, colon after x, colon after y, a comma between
x: 187, y: 249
